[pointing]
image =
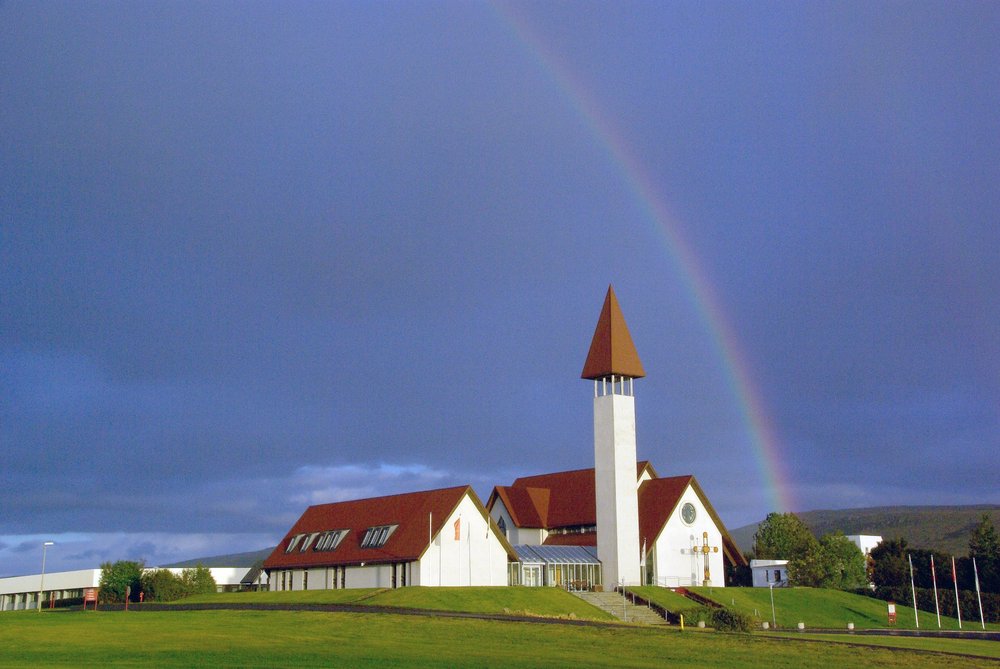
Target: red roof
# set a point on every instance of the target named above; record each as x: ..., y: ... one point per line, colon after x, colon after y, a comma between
x: 611, y: 349
x: 658, y: 499
x: 412, y: 513
x: 549, y: 501
x: 571, y: 502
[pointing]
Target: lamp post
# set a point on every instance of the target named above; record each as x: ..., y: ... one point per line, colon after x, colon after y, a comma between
x: 41, y: 583
x: 774, y: 620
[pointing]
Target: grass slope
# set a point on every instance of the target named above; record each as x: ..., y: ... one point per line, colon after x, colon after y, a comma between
x: 285, y: 638
x: 820, y: 608
x: 547, y: 602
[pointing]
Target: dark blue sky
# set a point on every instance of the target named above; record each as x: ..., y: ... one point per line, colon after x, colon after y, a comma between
x: 260, y: 255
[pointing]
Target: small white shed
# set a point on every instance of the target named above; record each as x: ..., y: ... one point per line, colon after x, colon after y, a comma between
x: 769, y: 572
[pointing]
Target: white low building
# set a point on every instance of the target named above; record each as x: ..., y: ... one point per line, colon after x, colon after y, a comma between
x: 865, y: 542
x: 21, y: 592
x: 767, y: 573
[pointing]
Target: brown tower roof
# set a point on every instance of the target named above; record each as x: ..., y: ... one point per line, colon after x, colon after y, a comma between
x: 612, y: 350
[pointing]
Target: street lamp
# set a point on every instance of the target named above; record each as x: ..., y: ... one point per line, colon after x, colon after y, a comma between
x: 41, y: 584
x: 774, y: 621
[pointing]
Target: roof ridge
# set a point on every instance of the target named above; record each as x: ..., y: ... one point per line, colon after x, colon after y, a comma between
x: 398, y: 494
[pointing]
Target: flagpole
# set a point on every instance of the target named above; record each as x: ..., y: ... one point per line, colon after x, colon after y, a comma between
x: 913, y: 589
x: 975, y: 569
x: 954, y: 578
x: 937, y: 608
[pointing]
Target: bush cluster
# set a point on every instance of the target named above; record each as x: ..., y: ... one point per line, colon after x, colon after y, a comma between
x: 163, y: 585
x: 730, y: 620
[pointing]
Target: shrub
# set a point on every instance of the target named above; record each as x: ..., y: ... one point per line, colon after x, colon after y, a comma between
x: 198, y: 581
x: 162, y: 585
x: 729, y: 620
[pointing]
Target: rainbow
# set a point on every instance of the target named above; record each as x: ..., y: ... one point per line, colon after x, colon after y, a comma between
x: 762, y: 434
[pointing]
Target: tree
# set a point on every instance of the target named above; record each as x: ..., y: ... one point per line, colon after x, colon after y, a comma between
x: 162, y: 585
x: 117, y: 578
x: 844, y: 565
x: 984, y: 547
x: 890, y: 567
x: 808, y: 567
x: 782, y: 536
x: 198, y: 581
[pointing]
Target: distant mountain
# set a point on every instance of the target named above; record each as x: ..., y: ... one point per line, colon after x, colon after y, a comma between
x: 232, y: 560
x: 944, y: 528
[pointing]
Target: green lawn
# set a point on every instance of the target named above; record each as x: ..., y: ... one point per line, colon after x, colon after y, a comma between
x: 665, y: 597
x: 351, y: 596
x: 293, y: 638
x: 547, y: 602
x: 819, y: 608
x: 968, y: 646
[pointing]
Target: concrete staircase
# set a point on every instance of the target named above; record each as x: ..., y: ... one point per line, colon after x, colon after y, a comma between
x: 612, y: 603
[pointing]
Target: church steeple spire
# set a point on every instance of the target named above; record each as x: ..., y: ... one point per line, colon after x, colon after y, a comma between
x: 612, y: 352
x: 613, y: 358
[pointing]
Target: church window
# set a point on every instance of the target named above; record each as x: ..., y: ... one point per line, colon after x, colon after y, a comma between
x: 329, y: 541
x: 375, y: 537
x: 502, y: 525
x: 294, y: 542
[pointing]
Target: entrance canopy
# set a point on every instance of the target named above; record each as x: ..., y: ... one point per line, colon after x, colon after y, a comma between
x: 571, y: 567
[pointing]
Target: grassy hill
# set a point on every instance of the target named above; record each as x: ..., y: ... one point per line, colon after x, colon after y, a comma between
x: 545, y: 602
x: 946, y: 528
x: 817, y: 608
x: 267, y: 638
x: 314, y: 639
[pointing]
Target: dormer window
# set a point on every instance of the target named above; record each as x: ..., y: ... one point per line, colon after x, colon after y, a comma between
x: 329, y: 541
x: 375, y: 537
x: 294, y: 542
x: 307, y: 542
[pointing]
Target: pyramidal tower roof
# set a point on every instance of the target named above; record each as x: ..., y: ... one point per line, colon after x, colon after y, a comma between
x: 612, y: 350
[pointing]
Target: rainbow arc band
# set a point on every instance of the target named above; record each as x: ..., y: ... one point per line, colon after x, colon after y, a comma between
x: 641, y: 182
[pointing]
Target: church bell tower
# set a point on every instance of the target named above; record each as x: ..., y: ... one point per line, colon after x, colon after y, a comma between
x: 613, y: 365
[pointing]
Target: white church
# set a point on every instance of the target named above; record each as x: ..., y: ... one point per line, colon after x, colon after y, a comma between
x: 618, y: 523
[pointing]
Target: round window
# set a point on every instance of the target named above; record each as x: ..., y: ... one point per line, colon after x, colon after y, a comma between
x: 688, y: 513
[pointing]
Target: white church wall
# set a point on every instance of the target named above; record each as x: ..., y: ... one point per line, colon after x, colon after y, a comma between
x: 476, y: 557
x: 616, y: 488
x: 677, y: 562
x: 516, y: 535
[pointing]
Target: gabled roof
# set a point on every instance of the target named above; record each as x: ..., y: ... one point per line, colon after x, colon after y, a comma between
x: 658, y: 500
x: 550, y: 501
x: 611, y: 349
x: 418, y: 516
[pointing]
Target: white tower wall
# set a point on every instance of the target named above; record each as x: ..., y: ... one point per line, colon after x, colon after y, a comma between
x: 616, y: 488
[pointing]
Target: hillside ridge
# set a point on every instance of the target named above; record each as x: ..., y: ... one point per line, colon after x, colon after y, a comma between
x: 944, y: 528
